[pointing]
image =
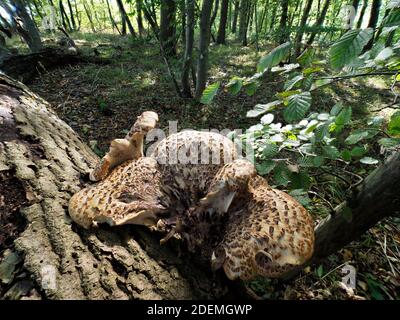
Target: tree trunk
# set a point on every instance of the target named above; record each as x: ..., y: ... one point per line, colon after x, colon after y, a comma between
x: 243, y: 21
x: 113, y: 23
x: 189, y: 36
x: 222, y: 22
x: 235, y: 16
x: 373, y: 21
x: 45, y: 162
x: 377, y: 197
x: 26, y: 28
x: 139, y: 4
x: 64, y: 17
x: 202, y: 64
x: 89, y: 15
x: 300, y: 32
x: 319, y: 22
x: 126, y: 18
x: 214, y: 12
x: 167, y: 27
x: 283, y: 24
x: 71, y: 13
x: 362, y: 12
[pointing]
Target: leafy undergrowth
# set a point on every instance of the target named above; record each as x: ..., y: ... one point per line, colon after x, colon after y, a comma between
x: 101, y: 102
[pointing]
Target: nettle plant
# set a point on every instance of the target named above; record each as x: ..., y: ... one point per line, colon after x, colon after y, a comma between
x: 307, y: 140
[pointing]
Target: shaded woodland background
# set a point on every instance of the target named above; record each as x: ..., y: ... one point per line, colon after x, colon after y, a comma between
x: 314, y: 81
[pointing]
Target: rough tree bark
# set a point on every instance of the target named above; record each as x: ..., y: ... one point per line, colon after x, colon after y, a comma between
x: 300, y: 31
x: 50, y: 162
x: 283, y: 23
x: 319, y: 22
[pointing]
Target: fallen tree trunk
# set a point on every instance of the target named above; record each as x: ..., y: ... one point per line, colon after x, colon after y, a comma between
x: 16, y: 65
x: 377, y: 197
x: 42, y: 163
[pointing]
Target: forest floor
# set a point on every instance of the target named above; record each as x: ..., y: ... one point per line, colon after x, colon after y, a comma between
x: 101, y: 102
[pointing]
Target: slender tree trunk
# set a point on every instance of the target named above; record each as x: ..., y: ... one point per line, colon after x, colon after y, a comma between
x: 139, y: 4
x: 362, y: 12
x: 37, y: 9
x: 64, y: 17
x: 167, y: 27
x: 283, y: 24
x: 126, y: 18
x: 263, y: 16
x: 273, y: 16
x: 373, y: 21
x: 113, y: 23
x: 189, y: 36
x: 222, y: 22
x: 71, y: 12
x: 320, y: 21
x: 89, y: 15
x: 204, y: 41
x: 300, y: 31
x: 235, y: 15
x: 214, y: 13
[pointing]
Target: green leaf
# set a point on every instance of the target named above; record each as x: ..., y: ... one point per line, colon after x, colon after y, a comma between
x: 260, y: 109
x: 308, y: 71
x: 297, y: 107
x: 308, y: 82
x: 331, y: 152
x: 270, y: 150
x: 301, y: 196
x: 318, y: 161
x: 209, y: 93
x: 265, y: 167
x: 393, y: 19
x: 348, y: 47
x: 306, y: 57
x: 357, y: 152
x: 346, y: 155
x: 251, y: 87
x: 343, y: 118
x: 286, y: 94
x: 336, y: 109
x: 273, y: 58
x: 320, y: 271
x: 394, y: 124
x: 300, y: 180
x: 356, y: 137
x: 389, y: 142
x: 234, y: 85
x: 292, y: 82
x: 281, y: 174
x: 369, y: 160
x: 320, y: 83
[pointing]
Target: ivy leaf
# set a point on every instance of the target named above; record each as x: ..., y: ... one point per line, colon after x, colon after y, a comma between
x: 251, y: 87
x: 369, y: 160
x: 346, y: 155
x: 343, y: 118
x: 209, y: 93
x: 297, y: 107
x: 276, y: 56
x: 349, y: 46
x: 260, y: 109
